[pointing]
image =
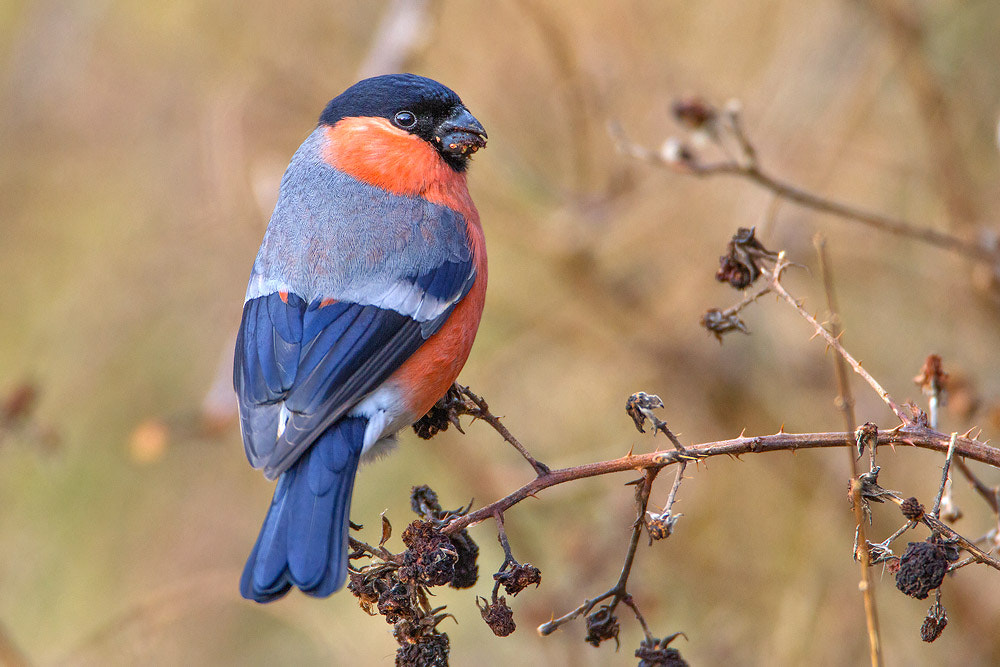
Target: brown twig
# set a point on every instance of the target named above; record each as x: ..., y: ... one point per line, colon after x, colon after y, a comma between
x: 845, y: 401
x: 619, y: 592
x: 945, y: 471
x: 831, y: 340
x: 482, y: 411
x: 991, y: 494
x: 751, y: 170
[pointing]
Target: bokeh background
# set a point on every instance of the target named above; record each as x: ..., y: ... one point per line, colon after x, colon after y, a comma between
x: 141, y: 146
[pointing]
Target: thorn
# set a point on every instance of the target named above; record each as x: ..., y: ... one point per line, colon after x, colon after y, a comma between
x: 782, y: 429
x: 965, y: 436
x: 630, y: 449
x: 743, y: 433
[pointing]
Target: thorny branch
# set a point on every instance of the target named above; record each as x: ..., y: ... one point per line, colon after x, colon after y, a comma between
x: 913, y: 435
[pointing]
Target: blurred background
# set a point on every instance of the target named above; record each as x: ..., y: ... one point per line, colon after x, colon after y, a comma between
x: 141, y: 147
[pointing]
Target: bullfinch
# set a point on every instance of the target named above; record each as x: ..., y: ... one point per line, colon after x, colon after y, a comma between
x: 361, y: 310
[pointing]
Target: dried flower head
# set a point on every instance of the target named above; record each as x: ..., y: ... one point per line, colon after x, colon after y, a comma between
x: 431, y: 650
x: 395, y: 603
x: 497, y: 615
x: 518, y: 578
x: 878, y: 553
x: 741, y: 265
x: 694, y: 112
x: 602, y: 625
x: 466, y: 567
x: 364, y: 588
x: 935, y: 622
x: 932, y: 379
x: 430, y: 558
x: 657, y: 652
x: 661, y: 526
x: 866, y: 437
x: 719, y: 323
x: 912, y: 509
x: 639, y: 407
x: 921, y: 569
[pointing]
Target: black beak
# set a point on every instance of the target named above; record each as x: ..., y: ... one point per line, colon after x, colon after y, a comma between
x: 460, y: 133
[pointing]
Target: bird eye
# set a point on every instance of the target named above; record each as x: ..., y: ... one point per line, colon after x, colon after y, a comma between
x: 405, y: 119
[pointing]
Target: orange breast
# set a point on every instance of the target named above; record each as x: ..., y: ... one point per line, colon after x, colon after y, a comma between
x: 372, y: 150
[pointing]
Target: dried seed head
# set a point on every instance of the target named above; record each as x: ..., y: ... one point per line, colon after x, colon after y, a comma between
x: 912, y: 509
x: 879, y: 553
x: 719, y: 323
x: 934, y: 624
x: 430, y: 558
x: 657, y: 652
x: 424, y: 502
x: 932, y: 379
x: 518, y: 578
x: 497, y: 615
x: 741, y: 265
x: 866, y: 437
x: 732, y: 272
x: 602, y: 625
x: 639, y: 407
x: 694, y: 112
x: 395, y: 603
x: 435, y: 421
x: 431, y: 650
x: 921, y: 569
x: 661, y: 526
x: 466, y: 568
x: 363, y: 588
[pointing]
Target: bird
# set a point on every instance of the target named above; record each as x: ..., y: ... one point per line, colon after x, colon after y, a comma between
x: 362, y: 307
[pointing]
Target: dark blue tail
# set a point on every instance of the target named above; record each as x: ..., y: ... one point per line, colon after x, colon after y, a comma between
x: 304, y: 538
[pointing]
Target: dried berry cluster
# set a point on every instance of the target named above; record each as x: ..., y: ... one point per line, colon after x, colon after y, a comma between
x: 396, y: 585
x: 922, y: 567
x: 445, y: 413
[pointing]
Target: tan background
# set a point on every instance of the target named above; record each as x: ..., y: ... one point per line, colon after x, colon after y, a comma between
x: 141, y: 145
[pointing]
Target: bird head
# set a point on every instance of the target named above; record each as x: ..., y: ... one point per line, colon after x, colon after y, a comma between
x: 416, y: 105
